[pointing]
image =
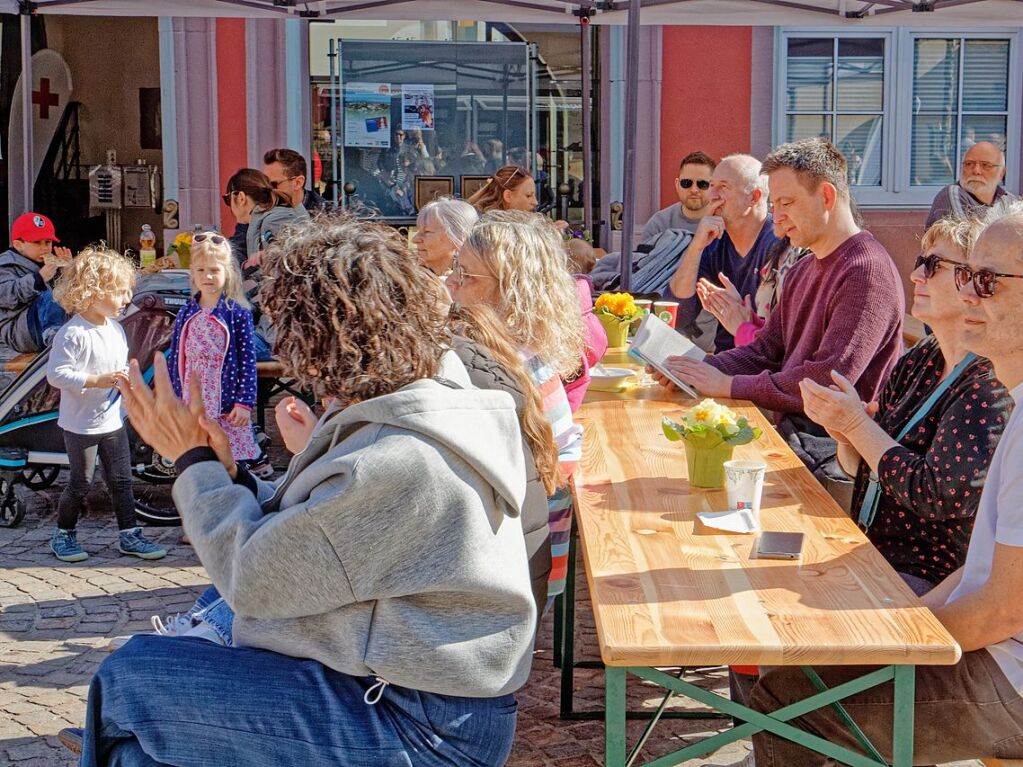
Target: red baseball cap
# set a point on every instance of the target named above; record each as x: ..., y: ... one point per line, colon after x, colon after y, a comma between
x: 33, y: 227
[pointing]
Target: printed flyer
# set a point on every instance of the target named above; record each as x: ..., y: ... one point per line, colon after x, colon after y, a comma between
x: 368, y: 115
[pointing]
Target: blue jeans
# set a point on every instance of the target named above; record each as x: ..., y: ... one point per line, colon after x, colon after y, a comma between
x: 44, y: 314
x: 211, y: 608
x: 189, y: 702
x: 262, y: 348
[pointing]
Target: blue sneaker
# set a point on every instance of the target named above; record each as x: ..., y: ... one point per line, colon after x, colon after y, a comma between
x: 64, y: 545
x: 133, y: 542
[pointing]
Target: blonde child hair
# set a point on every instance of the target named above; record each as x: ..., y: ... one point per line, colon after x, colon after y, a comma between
x: 95, y: 272
x: 221, y: 254
x: 536, y: 293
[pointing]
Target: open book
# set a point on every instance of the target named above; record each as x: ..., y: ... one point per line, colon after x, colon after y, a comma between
x: 656, y: 341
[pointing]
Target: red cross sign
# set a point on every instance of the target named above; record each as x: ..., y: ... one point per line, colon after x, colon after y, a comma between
x: 44, y: 98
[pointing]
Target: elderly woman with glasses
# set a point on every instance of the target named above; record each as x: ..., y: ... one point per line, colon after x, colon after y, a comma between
x: 921, y: 461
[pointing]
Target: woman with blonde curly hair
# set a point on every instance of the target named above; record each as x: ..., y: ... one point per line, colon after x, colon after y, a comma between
x: 516, y: 263
x: 388, y: 562
x: 88, y: 357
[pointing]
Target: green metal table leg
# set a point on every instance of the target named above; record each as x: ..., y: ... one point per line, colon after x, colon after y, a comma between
x: 905, y: 696
x: 614, y: 716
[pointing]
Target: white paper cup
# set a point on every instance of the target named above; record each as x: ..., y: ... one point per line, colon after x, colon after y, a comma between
x: 744, y: 485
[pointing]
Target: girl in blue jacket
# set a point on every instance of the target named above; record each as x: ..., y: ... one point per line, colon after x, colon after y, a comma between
x: 213, y: 340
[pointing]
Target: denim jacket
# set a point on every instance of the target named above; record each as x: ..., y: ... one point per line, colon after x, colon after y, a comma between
x: 238, y: 374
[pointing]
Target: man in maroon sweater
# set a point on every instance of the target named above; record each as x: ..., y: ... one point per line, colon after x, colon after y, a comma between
x: 841, y: 310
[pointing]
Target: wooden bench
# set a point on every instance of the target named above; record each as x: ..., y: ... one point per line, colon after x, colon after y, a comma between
x: 1002, y: 762
x: 667, y: 591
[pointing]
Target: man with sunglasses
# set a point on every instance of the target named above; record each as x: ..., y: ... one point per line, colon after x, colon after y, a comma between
x: 692, y: 185
x: 979, y: 185
x: 974, y: 709
x: 287, y: 171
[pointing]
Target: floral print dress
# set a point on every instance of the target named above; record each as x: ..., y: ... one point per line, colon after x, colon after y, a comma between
x: 204, y: 348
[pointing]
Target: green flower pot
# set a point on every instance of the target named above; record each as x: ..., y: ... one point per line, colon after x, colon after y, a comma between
x: 617, y: 330
x: 707, y: 464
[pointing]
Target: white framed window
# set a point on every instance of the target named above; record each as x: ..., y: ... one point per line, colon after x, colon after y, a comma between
x: 903, y: 105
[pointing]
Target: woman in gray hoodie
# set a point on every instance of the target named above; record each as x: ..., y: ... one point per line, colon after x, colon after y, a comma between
x: 383, y: 614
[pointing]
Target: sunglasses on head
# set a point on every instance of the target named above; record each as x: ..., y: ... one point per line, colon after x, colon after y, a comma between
x: 216, y: 239
x: 227, y: 197
x: 507, y: 184
x: 687, y: 183
x: 930, y: 263
x: 984, y: 280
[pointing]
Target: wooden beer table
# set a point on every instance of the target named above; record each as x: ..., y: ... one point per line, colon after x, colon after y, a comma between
x: 669, y: 592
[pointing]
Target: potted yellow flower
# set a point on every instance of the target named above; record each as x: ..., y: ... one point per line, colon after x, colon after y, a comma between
x: 710, y: 431
x: 182, y: 247
x: 616, y: 312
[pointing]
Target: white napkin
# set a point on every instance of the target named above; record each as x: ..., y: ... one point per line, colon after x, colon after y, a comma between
x: 736, y: 521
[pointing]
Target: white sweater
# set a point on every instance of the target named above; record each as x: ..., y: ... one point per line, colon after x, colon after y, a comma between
x: 81, y: 349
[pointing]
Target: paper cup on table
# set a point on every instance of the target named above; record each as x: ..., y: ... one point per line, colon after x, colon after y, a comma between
x: 744, y: 485
x: 666, y: 311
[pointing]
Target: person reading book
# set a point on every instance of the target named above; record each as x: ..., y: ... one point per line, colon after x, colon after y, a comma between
x: 841, y: 310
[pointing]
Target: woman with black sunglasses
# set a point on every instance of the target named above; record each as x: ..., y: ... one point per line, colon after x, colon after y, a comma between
x: 260, y: 210
x: 920, y: 463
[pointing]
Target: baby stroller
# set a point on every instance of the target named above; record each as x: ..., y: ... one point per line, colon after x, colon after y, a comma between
x: 32, y: 445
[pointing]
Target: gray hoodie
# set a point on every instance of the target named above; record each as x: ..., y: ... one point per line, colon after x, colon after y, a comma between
x: 19, y: 286
x: 266, y: 224
x: 396, y: 549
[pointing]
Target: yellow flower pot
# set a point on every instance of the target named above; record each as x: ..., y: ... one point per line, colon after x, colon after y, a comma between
x: 707, y: 464
x: 617, y: 330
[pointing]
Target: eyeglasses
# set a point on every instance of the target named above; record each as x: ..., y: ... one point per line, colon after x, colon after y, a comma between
x: 930, y: 263
x: 983, y: 280
x: 687, y: 183
x: 227, y: 197
x: 275, y: 184
x: 216, y: 239
x: 459, y: 275
x: 981, y: 165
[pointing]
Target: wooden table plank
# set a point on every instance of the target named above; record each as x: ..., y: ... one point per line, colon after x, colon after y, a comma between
x: 668, y: 591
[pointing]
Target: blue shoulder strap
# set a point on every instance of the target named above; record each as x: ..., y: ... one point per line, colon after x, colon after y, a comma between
x: 869, y: 507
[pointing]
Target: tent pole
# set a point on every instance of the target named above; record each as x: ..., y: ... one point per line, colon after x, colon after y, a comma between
x: 629, y: 175
x: 27, y: 84
x: 585, y: 35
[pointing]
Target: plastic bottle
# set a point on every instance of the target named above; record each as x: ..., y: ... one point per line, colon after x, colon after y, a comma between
x: 147, y: 246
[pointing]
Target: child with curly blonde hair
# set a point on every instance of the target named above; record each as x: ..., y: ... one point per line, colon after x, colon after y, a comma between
x: 88, y: 357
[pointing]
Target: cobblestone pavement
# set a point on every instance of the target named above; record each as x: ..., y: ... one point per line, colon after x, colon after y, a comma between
x: 55, y: 619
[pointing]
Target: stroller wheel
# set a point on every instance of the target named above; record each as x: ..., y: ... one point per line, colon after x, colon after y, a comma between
x: 39, y: 477
x: 154, y: 505
x: 12, y: 511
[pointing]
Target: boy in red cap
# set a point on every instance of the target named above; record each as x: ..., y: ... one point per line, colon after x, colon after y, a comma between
x: 28, y: 314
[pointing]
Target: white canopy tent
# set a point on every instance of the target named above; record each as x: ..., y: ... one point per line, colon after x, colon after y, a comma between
x: 633, y: 13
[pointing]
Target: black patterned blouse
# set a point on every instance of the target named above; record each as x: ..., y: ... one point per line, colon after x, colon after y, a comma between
x: 931, y: 482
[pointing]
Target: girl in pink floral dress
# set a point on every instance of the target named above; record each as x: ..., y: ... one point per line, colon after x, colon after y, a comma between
x: 214, y: 341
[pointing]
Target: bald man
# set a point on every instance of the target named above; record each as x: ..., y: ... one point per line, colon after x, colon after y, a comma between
x: 979, y: 185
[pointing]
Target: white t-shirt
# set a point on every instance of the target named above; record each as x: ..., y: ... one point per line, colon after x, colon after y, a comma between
x: 81, y: 349
x: 999, y: 520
